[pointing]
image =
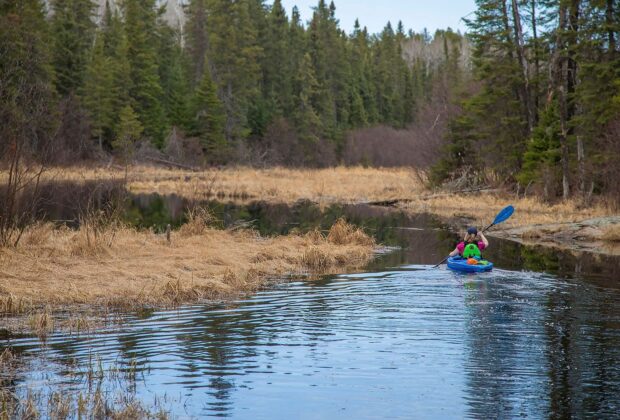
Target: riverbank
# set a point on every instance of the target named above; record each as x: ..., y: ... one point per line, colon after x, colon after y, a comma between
x: 403, y: 188
x: 122, y: 268
x: 118, y: 267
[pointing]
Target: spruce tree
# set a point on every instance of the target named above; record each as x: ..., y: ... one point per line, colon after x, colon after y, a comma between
x: 172, y: 73
x: 541, y: 161
x: 129, y: 133
x: 27, y: 97
x: 208, y: 120
x: 306, y: 118
x: 234, y: 53
x: 196, y: 38
x: 73, y: 30
x: 146, y: 91
x: 98, y: 93
x: 276, y: 69
x: 498, y: 111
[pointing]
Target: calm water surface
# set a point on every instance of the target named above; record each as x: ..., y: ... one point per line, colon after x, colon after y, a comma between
x: 396, y: 341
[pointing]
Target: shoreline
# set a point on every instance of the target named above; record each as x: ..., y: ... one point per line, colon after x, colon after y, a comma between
x: 116, y: 268
x: 60, y: 270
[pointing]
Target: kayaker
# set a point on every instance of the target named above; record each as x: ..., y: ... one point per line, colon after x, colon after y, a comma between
x: 472, y: 246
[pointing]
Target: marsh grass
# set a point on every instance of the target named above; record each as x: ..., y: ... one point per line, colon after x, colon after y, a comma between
x: 12, y: 305
x: 106, y: 393
x: 611, y: 233
x: 482, y: 208
x: 339, y: 184
x: 41, y: 323
x: 127, y: 269
x: 199, y: 220
x: 343, y: 233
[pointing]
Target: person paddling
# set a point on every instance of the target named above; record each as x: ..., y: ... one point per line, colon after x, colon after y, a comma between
x: 472, y: 246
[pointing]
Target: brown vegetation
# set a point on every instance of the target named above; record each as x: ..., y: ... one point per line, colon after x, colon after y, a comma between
x: 122, y: 267
x: 339, y: 184
x: 119, y: 402
x: 481, y: 208
x: 611, y: 233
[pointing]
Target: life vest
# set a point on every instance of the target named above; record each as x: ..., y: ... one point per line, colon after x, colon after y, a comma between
x: 471, y: 250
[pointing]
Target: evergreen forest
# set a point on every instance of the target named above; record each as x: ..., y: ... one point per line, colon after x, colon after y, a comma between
x: 528, y: 97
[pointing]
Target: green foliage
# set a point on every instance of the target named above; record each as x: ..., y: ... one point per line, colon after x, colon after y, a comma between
x: 98, y: 93
x: 145, y: 88
x: 129, y: 132
x: 237, y: 69
x: 543, y: 154
x: 208, y: 119
x: 173, y: 75
x: 234, y: 54
x: 73, y: 29
x: 27, y: 98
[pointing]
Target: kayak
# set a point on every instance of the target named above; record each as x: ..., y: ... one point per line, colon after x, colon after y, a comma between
x: 460, y: 264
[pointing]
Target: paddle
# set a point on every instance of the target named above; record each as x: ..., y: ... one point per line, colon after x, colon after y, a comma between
x: 501, y: 217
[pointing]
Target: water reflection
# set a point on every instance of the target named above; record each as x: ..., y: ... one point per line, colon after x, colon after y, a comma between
x: 396, y: 341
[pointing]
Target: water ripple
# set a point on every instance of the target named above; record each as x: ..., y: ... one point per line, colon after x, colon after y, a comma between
x: 386, y: 344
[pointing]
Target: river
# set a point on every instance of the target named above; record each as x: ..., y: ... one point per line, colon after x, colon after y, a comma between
x: 537, y: 337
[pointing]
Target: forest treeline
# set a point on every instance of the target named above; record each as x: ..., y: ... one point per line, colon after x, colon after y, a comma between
x: 241, y: 82
x: 528, y: 98
x: 544, y: 112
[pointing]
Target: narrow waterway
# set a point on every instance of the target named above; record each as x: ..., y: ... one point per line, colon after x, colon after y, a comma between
x: 537, y: 337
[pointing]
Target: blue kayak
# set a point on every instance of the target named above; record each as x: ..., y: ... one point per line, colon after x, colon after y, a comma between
x: 460, y: 264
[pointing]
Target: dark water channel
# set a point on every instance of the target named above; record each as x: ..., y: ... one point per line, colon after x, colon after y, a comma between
x: 537, y: 337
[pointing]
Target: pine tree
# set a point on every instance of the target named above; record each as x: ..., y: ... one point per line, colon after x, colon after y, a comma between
x: 196, y: 38
x: 129, y: 132
x: 98, y: 93
x: 172, y: 73
x: 305, y: 116
x: 73, y: 30
x: 234, y: 56
x: 208, y: 120
x: 145, y: 91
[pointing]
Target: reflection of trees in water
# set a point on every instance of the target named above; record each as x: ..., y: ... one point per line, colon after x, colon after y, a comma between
x: 583, y: 352
x: 66, y: 201
x: 224, y: 344
x: 499, y: 383
x: 552, y: 352
x: 600, y: 269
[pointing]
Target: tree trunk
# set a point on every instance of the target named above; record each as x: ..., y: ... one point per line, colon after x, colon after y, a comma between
x: 519, y: 43
x: 536, y: 60
x: 581, y: 165
x: 609, y: 20
x: 565, y: 76
x: 561, y: 79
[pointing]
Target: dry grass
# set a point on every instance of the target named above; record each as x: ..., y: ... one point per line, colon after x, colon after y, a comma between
x: 483, y: 207
x: 56, y: 267
x: 340, y: 184
x: 336, y: 185
x: 611, y: 233
x: 342, y: 233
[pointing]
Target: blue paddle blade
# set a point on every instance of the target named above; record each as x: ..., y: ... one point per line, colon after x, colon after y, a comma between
x: 504, y: 214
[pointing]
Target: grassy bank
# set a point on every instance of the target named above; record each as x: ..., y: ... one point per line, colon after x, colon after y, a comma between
x: 332, y: 185
x: 118, y: 267
x: 403, y: 187
x: 406, y: 188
